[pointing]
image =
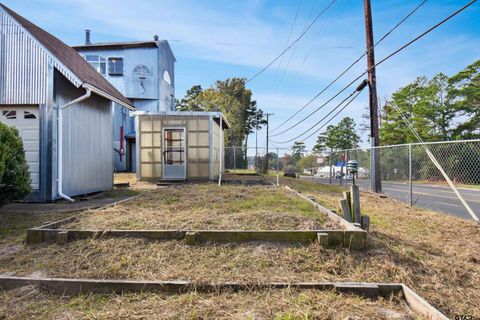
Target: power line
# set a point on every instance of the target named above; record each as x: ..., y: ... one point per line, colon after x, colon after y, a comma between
x: 353, y: 64
x: 273, y: 86
x: 355, y: 94
x: 382, y: 61
x: 293, y: 43
x: 426, y: 32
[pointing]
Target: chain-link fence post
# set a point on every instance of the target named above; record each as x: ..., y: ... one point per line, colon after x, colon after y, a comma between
x: 330, y: 167
x: 278, y: 160
x: 347, y: 153
x: 410, y: 185
x: 234, y: 160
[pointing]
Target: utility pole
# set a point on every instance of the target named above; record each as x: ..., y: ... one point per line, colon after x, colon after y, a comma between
x: 266, y: 155
x: 375, y: 176
x: 256, y: 141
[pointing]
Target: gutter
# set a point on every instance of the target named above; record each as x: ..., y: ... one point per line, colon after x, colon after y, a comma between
x: 60, y: 109
x: 220, y: 164
x: 101, y: 93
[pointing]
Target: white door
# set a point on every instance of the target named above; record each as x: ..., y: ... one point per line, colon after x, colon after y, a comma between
x: 25, y: 119
x: 174, y: 153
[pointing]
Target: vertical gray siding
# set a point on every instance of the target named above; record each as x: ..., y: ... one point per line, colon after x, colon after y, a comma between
x: 24, y: 65
x: 87, y: 140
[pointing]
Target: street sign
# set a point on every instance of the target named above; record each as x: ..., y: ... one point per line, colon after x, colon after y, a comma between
x: 319, y: 160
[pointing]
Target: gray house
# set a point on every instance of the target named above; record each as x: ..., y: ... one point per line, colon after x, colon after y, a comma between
x: 62, y: 107
x: 143, y: 71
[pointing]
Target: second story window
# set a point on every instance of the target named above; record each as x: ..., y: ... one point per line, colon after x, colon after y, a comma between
x: 98, y: 62
x: 115, y: 66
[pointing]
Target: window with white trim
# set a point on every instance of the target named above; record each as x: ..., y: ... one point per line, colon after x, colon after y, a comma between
x: 98, y: 62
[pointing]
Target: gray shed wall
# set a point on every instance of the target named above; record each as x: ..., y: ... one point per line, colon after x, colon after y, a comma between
x: 198, y: 150
x: 87, y: 140
x: 24, y: 65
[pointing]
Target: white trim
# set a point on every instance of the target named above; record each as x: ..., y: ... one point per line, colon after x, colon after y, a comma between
x: 60, y: 66
x: 108, y: 96
x: 193, y: 113
x: 184, y: 146
x: 64, y: 70
x: 211, y: 140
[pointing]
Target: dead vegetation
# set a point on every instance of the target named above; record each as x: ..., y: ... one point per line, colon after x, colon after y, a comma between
x: 434, y: 254
x: 27, y: 303
x: 205, y: 206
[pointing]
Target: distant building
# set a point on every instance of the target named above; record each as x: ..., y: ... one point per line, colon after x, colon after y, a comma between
x: 142, y: 71
x: 61, y: 107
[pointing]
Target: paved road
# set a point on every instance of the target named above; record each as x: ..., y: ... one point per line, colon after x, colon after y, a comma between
x: 427, y: 196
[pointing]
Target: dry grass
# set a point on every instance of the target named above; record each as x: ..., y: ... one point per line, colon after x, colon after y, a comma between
x: 205, y: 206
x: 436, y: 255
x: 279, y: 304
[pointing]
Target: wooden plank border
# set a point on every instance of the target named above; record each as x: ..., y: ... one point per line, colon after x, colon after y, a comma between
x: 330, y: 214
x: 352, y: 238
x: 81, y: 286
x: 349, y: 239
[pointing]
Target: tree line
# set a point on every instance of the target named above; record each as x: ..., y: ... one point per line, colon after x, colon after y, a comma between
x: 234, y: 100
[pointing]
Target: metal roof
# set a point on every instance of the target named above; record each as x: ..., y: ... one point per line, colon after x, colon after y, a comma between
x: 70, y: 58
x: 116, y: 45
x: 216, y: 115
x: 123, y: 45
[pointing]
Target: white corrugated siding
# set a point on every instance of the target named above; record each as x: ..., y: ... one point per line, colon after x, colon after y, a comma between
x: 24, y: 65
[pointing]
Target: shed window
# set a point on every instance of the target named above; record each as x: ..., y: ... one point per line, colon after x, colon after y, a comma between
x: 98, y: 62
x: 115, y: 66
x: 10, y: 114
x: 28, y: 115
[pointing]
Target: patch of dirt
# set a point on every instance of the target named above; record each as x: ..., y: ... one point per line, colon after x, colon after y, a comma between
x: 7, y: 251
x: 309, y: 225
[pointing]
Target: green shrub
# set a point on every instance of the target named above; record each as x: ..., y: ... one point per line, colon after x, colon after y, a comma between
x: 14, y: 174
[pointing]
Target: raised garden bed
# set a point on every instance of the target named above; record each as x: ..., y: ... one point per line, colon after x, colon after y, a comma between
x: 85, y: 286
x: 285, y: 213
x: 30, y: 302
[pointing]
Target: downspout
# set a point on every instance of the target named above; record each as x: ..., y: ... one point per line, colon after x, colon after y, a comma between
x: 220, y: 162
x: 60, y: 142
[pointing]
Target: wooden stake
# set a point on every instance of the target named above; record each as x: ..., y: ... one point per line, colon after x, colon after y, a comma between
x: 347, y: 214
x: 355, y: 198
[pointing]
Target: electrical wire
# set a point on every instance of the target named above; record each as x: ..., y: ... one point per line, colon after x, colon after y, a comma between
x: 293, y: 43
x: 273, y: 85
x: 382, y: 61
x: 353, y: 64
x: 354, y: 94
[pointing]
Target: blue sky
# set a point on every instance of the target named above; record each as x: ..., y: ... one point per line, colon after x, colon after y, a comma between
x: 219, y: 39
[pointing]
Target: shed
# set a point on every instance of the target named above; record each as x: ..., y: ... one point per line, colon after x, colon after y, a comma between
x: 62, y: 107
x: 180, y: 145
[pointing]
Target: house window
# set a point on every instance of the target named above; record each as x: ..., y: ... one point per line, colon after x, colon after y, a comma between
x: 99, y: 63
x: 10, y: 114
x: 115, y: 66
x: 28, y: 115
x: 166, y: 77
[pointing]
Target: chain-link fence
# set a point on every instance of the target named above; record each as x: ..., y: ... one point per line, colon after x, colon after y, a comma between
x: 407, y: 172
x: 243, y: 159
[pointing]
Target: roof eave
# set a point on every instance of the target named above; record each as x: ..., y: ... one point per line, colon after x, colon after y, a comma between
x: 108, y: 96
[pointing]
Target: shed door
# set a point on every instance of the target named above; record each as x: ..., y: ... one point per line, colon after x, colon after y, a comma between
x: 174, y: 163
x: 25, y: 119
